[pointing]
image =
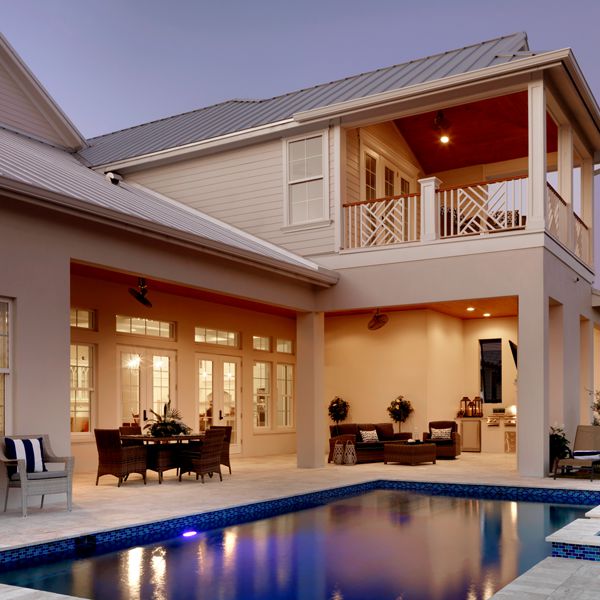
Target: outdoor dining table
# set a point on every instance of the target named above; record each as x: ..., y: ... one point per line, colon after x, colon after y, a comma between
x: 153, y: 439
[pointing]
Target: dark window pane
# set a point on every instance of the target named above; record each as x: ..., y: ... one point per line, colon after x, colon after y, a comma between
x: 491, y: 370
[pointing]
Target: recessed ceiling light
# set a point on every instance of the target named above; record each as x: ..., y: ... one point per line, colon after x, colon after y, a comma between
x: 444, y: 139
x: 487, y: 315
x: 470, y: 309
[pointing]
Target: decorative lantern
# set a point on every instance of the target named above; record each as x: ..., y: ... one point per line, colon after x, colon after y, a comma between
x: 463, y: 406
x: 471, y: 409
x: 478, y: 406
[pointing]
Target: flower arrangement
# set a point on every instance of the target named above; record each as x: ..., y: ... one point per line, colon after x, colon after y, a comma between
x: 399, y: 410
x: 167, y: 424
x: 338, y: 410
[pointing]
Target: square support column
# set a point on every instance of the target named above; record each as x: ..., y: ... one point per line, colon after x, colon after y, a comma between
x: 310, y: 408
x: 533, y: 427
x: 430, y: 218
x: 536, y: 189
x: 571, y: 369
x: 586, y: 370
x: 565, y: 178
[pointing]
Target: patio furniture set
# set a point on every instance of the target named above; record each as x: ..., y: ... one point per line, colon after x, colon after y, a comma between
x: 375, y: 442
x: 126, y: 450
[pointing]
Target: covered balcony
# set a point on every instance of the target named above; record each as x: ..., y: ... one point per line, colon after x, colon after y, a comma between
x: 501, y: 166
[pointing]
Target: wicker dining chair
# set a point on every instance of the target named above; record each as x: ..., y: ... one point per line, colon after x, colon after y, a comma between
x: 131, y: 430
x: 13, y: 474
x: 207, y: 459
x: 116, y: 459
x: 226, y: 443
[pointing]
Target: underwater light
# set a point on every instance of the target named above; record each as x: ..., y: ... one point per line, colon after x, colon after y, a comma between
x: 189, y: 533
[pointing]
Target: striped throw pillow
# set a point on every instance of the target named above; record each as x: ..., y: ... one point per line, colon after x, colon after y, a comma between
x: 441, y: 434
x: 369, y: 436
x: 30, y: 449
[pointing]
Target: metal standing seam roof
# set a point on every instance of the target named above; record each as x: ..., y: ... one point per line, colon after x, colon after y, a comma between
x: 34, y: 163
x: 239, y: 115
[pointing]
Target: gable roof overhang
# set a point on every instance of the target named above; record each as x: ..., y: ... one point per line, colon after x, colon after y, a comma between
x: 66, y: 131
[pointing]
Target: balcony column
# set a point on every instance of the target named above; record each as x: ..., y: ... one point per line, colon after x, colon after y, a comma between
x: 430, y: 219
x: 587, y: 202
x: 536, y: 189
x: 310, y: 409
x: 565, y: 178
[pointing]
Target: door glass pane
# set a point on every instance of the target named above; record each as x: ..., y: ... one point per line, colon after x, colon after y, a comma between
x: 261, y: 384
x: 160, y: 382
x: 370, y: 177
x: 285, y: 391
x: 130, y: 386
x: 205, y: 393
x: 389, y: 182
x: 3, y: 335
x: 230, y: 397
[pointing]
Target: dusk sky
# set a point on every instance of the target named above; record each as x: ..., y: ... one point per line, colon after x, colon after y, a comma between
x: 112, y: 64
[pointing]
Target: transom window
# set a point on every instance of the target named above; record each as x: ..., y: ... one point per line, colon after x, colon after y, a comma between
x: 285, y: 346
x: 147, y: 327
x: 219, y: 337
x: 260, y: 342
x: 83, y: 318
x: 5, y: 360
x: 306, y: 180
x: 82, y: 387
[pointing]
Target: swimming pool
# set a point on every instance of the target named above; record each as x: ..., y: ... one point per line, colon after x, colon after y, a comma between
x: 381, y: 544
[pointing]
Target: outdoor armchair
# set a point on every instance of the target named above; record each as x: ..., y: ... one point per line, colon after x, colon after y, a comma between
x: 207, y: 459
x: 226, y: 443
x: 116, y: 459
x: 14, y: 474
x: 444, y: 448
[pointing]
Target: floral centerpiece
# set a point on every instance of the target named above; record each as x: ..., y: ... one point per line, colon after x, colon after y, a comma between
x: 399, y: 410
x: 167, y: 424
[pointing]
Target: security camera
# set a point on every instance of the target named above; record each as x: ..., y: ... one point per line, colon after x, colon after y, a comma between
x: 113, y: 177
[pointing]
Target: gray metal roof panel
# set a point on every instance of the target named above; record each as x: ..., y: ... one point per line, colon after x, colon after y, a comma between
x: 238, y: 115
x: 45, y: 167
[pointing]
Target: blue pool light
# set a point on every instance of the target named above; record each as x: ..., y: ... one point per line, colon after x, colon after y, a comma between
x: 187, y: 534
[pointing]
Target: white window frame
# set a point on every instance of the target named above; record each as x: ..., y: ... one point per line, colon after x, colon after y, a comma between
x: 8, y: 371
x: 324, y: 220
x: 385, y: 157
x: 86, y: 435
x: 279, y: 397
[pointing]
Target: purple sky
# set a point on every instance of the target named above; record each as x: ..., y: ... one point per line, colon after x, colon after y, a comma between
x: 111, y: 64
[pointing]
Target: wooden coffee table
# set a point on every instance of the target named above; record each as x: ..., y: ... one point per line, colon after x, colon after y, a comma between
x: 408, y: 454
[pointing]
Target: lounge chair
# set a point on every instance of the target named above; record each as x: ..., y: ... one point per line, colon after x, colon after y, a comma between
x: 586, y: 452
x: 17, y: 473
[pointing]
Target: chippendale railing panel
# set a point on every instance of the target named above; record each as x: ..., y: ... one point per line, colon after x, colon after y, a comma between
x: 557, y: 216
x: 394, y: 220
x: 582, y: 240
x: 486, y: 207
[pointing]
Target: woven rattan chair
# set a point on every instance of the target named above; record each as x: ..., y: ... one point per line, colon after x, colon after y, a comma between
x: 226, y: 443
x: 116, y: 459
x: 36, y: 484
x: 163, y: 457
x: 587, y: 437
x: 131, y: 430
x: 207, y: 459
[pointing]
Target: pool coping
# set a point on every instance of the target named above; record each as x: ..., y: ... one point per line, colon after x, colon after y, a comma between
x: 156, y: 531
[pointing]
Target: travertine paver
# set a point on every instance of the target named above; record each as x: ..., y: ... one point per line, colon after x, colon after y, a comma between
x: 108, y: 507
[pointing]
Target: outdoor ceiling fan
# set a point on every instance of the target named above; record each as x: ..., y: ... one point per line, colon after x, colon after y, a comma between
x: 378, y: 320
x: 140, y: 293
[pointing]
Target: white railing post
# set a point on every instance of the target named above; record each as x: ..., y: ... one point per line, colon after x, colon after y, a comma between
x: 430, y: 219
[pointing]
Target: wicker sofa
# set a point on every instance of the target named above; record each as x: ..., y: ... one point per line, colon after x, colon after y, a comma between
x: 365, y: 451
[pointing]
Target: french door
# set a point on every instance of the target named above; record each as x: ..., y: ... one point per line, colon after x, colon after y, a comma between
x: 218, y: 394
x: 146, y: 382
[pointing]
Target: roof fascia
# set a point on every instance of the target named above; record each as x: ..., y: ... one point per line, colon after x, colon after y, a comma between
x: 319, y: 276
x: 341, y: 109
x: 42, y: 100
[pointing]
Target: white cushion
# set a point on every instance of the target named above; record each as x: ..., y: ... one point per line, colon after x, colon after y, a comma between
x: 441, y: 434
x: 586, y: 454
x: 369, y: 436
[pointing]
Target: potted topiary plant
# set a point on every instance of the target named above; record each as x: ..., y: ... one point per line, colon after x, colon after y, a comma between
x: 167, y: 424
x: 559, y: 444
x: 399, y: 410
x: 338, y: 410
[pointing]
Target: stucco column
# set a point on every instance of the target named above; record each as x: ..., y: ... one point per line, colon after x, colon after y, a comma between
x: 586, y: 372
x: 430, y: 221
x: 536, y: 188
x: 310, y: 410
x: 565, y: 177
x: 587, y: 202
x: 571, y: 369
x: 556, y: 361
x: 533, y: 380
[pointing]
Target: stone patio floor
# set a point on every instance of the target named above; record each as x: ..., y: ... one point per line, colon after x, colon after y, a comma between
x: 254, y: 479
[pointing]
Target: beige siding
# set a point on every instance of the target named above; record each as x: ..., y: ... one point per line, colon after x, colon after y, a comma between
x: 242, y: 187
x: 18, y: 112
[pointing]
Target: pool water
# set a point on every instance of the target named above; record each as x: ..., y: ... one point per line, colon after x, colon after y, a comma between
x: 385, y: 544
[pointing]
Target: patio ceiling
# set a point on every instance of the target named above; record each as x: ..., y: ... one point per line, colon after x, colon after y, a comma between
x: 486, y: 131
x: 165, y: 287
x: 504, y: 306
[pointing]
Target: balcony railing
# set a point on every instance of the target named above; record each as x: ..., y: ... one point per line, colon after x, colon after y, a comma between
x: 485, y: 207
x: 475, y: 209
x: 383, y: 222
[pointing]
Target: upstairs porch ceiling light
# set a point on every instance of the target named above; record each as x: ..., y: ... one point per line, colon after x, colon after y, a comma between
x: 140, y: 293
x: 377, y: 321
x: 441, y: 125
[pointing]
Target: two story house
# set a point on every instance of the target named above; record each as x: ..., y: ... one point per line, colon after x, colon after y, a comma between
x: 423, y: 230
